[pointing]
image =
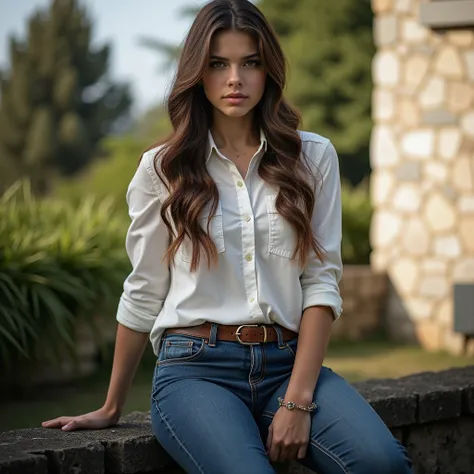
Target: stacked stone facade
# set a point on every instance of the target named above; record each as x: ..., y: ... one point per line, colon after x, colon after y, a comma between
x: 422, y: 156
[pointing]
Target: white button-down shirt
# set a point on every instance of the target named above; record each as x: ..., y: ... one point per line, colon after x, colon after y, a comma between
x: 255, y: 280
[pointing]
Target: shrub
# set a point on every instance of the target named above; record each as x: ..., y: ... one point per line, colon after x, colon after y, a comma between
x: 356, y: 217
x: 59, y: 263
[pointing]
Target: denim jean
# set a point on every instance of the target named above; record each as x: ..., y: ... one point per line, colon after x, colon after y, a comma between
x: 213, y: 401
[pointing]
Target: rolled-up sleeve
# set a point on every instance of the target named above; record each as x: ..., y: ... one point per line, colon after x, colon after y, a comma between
x: 145, y: 289
x: 320, y: 280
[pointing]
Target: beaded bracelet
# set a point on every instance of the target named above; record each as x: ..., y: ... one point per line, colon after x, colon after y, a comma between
x: 293, y: 405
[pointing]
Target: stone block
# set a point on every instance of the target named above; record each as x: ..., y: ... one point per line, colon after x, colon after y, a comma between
x: 413, y: 32
x: 13, y: 461
x: 439, y: 213
x: 466, y: 204
x: 433, y: 94
x: 409, y: 171
x: 449, y: 63
x: 415, y: 70
x: 438, y: 117
x: 460, y: 97
x: 467, y: 123
x: 386, y: 69
x: 419, y: 144
x: 446, y: 447
x: 463, y: 174
x: 382, y: 6
x: 385, y: 30
x: 449, y: 143
x: 407, y: 198
x: 469, y: 60
x: 448, y: 246
x: 460, y: 38
x: 466, y: 230
x: 383, y: 150
x: 409, y: 113
x: 385, y: 228
x: 429, y: 335
x: 394, y: 404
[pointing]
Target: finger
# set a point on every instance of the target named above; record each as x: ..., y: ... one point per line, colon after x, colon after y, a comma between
x: 274, y: 452
x: 302, y: 451
x: 57, y: 422
x: 269, y: 438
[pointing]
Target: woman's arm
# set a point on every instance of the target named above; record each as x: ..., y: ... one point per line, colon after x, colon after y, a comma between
x: 313, y: 340
x: 129, y: 347
x: 145, y: 290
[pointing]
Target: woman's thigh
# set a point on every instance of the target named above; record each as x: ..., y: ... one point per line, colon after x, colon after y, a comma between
x: 207, y: 429
x: 347, y: 435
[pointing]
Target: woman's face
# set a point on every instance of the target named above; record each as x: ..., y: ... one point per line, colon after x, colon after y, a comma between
x: 234, y: 69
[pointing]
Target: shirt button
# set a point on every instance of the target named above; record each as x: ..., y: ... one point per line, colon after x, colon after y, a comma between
x: 252, y: 300
x: 240, y: 184
x: 248, y: 218
x: 248, y: 258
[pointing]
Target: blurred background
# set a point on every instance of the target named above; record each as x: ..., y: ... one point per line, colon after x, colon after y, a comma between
x: 82, y: 90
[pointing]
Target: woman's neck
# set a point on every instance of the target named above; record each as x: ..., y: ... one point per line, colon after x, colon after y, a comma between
x: 234, y: 133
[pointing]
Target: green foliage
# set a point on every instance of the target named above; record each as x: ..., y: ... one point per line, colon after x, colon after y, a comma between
x: 329, y: 47
x: 108, y: 177
x: 57, y: 101
x: 59, y: 264
x: 356, y: 218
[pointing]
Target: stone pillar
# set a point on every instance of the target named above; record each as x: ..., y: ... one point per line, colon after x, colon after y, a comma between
x: 422, y: 156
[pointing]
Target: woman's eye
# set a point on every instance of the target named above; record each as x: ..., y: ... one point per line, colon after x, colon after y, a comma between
x: 217, y: 64
x: 253, y: 63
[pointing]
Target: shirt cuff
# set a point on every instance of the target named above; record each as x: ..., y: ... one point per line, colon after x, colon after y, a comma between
x: 323, y: 295
x: 135, y: 318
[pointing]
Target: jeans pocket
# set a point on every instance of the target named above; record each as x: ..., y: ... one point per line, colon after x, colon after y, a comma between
x: 291, y: 346
x: 177, y: 348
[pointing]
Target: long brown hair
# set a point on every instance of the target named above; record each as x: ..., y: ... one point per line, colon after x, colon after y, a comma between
x: 182, y: 158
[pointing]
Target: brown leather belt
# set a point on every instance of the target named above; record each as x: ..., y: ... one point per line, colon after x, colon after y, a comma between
x: 246, y: 334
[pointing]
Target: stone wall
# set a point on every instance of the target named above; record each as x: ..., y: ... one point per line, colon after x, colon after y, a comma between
x: 432, y: 414
x: 364, y: 293
x: 422, y: 155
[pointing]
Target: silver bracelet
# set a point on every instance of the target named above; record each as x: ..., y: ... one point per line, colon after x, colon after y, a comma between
x: 293, y: 405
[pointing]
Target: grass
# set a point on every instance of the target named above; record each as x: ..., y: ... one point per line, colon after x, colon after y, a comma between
x: 354, y: 361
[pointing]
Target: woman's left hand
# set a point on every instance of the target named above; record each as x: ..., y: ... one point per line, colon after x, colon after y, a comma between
x: 288, y: 435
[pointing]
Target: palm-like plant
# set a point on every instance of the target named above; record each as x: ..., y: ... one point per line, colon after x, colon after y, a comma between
x: 59, y: 264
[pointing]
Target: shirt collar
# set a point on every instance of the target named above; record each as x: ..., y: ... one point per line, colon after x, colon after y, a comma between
x: 211, y: 144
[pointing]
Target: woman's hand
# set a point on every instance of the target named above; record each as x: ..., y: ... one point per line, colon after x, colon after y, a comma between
x: 288, y: 435
x: 94, y: 420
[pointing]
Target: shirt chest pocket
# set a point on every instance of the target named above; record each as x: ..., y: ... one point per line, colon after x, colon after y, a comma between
x: 216, y: 233
x: 282, y: 237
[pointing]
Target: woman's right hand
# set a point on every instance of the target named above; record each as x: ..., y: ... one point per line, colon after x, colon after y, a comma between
x: 95, y: 420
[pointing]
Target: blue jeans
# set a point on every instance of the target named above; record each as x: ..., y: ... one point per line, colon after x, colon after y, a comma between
x: 213, y: 401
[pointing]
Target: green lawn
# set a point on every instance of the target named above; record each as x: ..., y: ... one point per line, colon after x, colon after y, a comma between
x: 354, y: 361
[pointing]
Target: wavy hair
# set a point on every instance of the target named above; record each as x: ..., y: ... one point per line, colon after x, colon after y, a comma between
x: 181, y: 161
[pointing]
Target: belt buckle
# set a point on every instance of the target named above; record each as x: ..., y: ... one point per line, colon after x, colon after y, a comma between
x: 238, y: 333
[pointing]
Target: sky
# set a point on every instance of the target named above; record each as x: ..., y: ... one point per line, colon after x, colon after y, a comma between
x: 120, y: 22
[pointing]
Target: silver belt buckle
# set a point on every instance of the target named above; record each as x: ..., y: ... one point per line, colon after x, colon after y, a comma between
x: 238, y: 333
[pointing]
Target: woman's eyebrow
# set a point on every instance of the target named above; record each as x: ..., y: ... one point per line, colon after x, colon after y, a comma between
x: 250, y: 56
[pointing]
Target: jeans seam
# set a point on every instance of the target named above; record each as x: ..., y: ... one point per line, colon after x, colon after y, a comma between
x: 252, y: 388
x: 331, y: 455
x: 173, y: 434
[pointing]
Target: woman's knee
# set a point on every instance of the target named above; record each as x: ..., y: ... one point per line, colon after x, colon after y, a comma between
x: 390, y: 458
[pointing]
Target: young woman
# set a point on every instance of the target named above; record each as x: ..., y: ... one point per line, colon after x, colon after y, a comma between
x: 235, y: 245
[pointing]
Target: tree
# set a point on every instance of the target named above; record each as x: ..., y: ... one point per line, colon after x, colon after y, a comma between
x: 57, y: 102
x: 329, y: 47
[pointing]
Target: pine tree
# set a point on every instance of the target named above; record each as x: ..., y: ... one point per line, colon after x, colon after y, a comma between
x: 57, y: 102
